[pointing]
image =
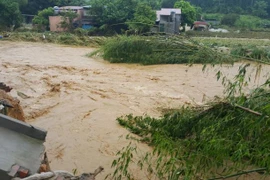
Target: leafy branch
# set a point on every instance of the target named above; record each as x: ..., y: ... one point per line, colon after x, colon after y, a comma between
x: 241, y: 173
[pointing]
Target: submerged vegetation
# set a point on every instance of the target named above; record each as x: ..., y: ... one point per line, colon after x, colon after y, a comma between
x: 221, y: 139
x: 257, y: 49
x: 77, y: 39
x: 252, y: 52
x: 260, y: 34
x: 158, y: 50
x: 230, y: 42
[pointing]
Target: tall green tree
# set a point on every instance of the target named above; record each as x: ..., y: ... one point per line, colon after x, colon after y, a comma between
x: 21, y: 3
x: 168, y: 3
x: 67, y: 20
x: 144, y: 18
x: 259, y: 9
x: 10, y: 15
x: 247, y: 7
x: 69, y: 2
x: 188, y: 12
x: 113, y: 13
x: 34, y: 6
x: 154, y: 4
x: 42, y: 19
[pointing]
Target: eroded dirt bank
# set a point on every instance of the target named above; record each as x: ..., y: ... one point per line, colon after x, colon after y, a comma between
x: 77, y: 99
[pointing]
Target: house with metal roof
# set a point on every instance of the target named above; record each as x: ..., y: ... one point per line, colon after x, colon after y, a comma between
x: 169, y: 20
x: 84, y: 19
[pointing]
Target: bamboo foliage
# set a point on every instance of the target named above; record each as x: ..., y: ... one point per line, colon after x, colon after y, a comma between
x: 197, y: 142
x: 159, y: 50
x: 219, y: 140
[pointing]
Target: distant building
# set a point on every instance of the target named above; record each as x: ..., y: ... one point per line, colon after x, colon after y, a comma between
x: 168, y: 20
x: 84, y: 19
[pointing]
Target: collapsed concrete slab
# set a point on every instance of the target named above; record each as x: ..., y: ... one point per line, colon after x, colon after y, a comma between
x: 20, y: 144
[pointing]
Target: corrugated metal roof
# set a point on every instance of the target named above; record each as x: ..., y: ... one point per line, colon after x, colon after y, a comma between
x: 167, y: 11
x: 71, y: 7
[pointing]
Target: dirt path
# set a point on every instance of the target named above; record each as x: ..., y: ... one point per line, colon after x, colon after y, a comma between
x: 77, y: 99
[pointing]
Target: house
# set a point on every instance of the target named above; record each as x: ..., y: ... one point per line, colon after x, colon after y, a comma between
x: 168, y: 20
x: 55, y: 21
x: 87, y: 20
x: 22, y: 150
x: 84, y: 19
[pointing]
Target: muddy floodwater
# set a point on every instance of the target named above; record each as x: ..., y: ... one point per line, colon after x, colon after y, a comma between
x: 77, y: 99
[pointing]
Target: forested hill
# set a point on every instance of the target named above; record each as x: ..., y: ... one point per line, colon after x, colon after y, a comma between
x: 259, y: 8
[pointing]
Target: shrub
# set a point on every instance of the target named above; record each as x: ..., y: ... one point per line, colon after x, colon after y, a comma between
x: 80, y: 32
x: 261, y: 53
x: 213, y: 16
x: 10, y: 15
x: 229, y: 19
x: 103, y: 30
x: 239, y: 51
x: 249, y: 22
x: 42, y: 19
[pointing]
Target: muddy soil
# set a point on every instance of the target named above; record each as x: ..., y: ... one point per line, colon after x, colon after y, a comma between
x: 77, y: 99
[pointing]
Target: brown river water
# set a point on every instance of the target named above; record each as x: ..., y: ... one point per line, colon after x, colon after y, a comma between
x: 77, y: 99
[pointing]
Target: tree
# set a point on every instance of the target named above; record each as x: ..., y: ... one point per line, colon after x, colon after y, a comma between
x: 144, y: 18
x: 69, y: 2
x: 67, y: 20
x: 154, y: 4
x: 188, y: 12
x: 254, y: 7
x: 10, y: 15
x: 34, y: 6
x: 167, y: 3
x: 21, y: 2
x: 113, y: 13
x: 199, y: 12
x: 42, y: 19
x: 259, y: 9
